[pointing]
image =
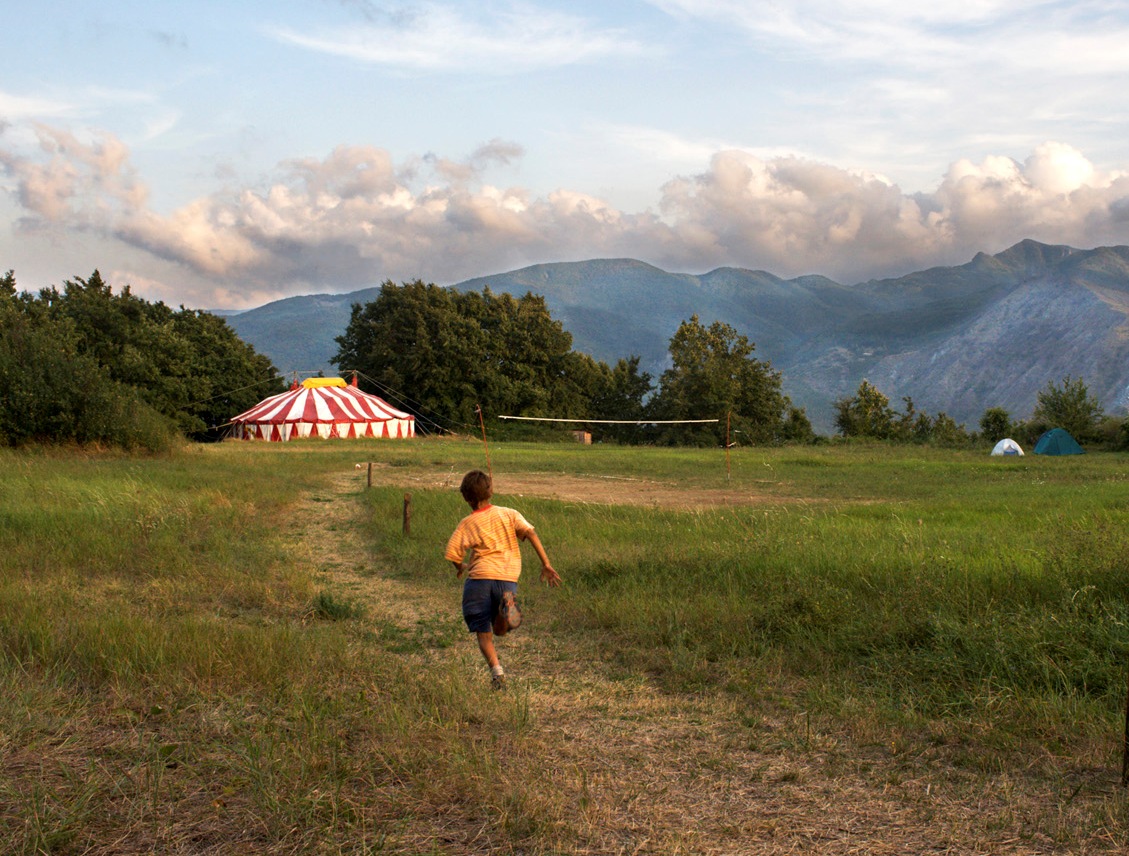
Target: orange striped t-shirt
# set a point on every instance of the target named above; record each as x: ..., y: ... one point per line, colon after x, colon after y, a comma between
x: 491, y: 534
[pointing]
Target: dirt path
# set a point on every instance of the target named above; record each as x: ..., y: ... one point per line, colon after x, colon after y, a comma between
x: 643, y: 771
x: 332, y: 538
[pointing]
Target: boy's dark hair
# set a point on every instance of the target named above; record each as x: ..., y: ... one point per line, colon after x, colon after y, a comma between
x: 476, y: 487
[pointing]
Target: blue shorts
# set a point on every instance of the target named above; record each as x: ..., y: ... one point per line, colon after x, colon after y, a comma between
x: 481, y: 599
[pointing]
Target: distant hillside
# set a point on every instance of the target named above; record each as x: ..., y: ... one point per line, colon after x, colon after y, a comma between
x: 989, y: 333
x: 298, y: 333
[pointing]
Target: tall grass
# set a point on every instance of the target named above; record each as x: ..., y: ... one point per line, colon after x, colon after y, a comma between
x: 933, y: 584
x: 177, y: 674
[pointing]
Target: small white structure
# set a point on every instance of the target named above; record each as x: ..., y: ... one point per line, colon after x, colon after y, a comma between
x: 1007, y: 446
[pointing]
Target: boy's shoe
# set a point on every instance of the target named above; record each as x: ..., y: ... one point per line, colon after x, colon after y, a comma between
x: 498, y: 682
x: 508, y: 617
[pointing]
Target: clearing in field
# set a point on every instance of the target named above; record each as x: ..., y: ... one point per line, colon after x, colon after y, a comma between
x: 604, y: 490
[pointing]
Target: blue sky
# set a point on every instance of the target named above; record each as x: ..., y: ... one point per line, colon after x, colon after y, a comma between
x: 219, y: 154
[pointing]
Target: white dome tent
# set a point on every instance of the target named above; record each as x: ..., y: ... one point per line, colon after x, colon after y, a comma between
x: 1007, y: 446
x: 323, y: 407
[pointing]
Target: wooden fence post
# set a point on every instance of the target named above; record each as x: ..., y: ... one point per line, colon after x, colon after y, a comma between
x: 407, y: 514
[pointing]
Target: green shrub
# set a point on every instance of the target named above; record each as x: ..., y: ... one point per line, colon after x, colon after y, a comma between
x: 329, y: 607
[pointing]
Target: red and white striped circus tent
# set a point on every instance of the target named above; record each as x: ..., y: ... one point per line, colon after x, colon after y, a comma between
x: 323, y: 407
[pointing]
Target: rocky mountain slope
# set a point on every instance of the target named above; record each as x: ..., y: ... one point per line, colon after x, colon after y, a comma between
x: 989, y: 333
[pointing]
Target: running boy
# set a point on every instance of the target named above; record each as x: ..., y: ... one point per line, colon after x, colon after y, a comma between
x: 491, y: 533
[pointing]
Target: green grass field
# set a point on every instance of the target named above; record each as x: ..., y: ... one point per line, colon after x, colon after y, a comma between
x: 182, y: 669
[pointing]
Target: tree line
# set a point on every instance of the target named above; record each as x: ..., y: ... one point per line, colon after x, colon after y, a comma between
x: 1068, y: 404
x: 455, y: 352
x: 88, y: 366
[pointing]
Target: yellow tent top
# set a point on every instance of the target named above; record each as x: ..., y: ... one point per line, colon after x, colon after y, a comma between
x: 315, y: 382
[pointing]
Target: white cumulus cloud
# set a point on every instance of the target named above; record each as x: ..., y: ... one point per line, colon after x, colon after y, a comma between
x: 74, y: 182
x: 357, y: 217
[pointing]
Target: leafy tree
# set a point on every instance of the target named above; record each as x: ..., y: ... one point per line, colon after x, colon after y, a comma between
x: 227, y: 375
x: 622, y: 396
x: 1027, y: 432
x: 995, y: 424
x: 797, y: 427
x: 583, y: 379
x: 868, y: 414
x: 187, y: 365
x: 93, y: 357
x: 946, y: 431
x: 451, y: 352
x: 414, y: 339
x: 1069, y: 406
x: 913, y: 426
x: 54, y: 393
x: 1113, y: 432
x: 131, y: 339
x: 713, y: 373
x: 534, y: 354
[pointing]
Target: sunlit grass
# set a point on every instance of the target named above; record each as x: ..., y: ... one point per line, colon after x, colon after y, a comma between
x: 163, y: 643
x: 166, y: 641
x: 938, y: 581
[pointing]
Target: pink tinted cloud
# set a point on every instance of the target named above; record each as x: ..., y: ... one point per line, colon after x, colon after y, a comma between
x: 355, y: 217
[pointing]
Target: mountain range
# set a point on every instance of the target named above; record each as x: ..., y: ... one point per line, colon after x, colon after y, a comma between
x: 989, y: 333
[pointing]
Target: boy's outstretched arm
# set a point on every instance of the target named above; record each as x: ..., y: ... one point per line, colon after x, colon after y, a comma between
x: 548, y: 575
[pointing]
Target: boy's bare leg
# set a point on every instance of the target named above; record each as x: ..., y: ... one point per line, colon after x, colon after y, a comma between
x: 486, y: 646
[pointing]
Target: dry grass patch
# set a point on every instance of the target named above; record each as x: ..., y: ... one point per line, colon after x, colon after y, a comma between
x: 256, y: 721
x: 597, y: 489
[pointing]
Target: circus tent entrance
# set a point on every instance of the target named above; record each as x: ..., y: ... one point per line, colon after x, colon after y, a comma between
x: 326, y: 408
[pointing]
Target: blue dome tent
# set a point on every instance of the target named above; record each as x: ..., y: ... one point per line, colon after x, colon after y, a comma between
x: 1058, y: 441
